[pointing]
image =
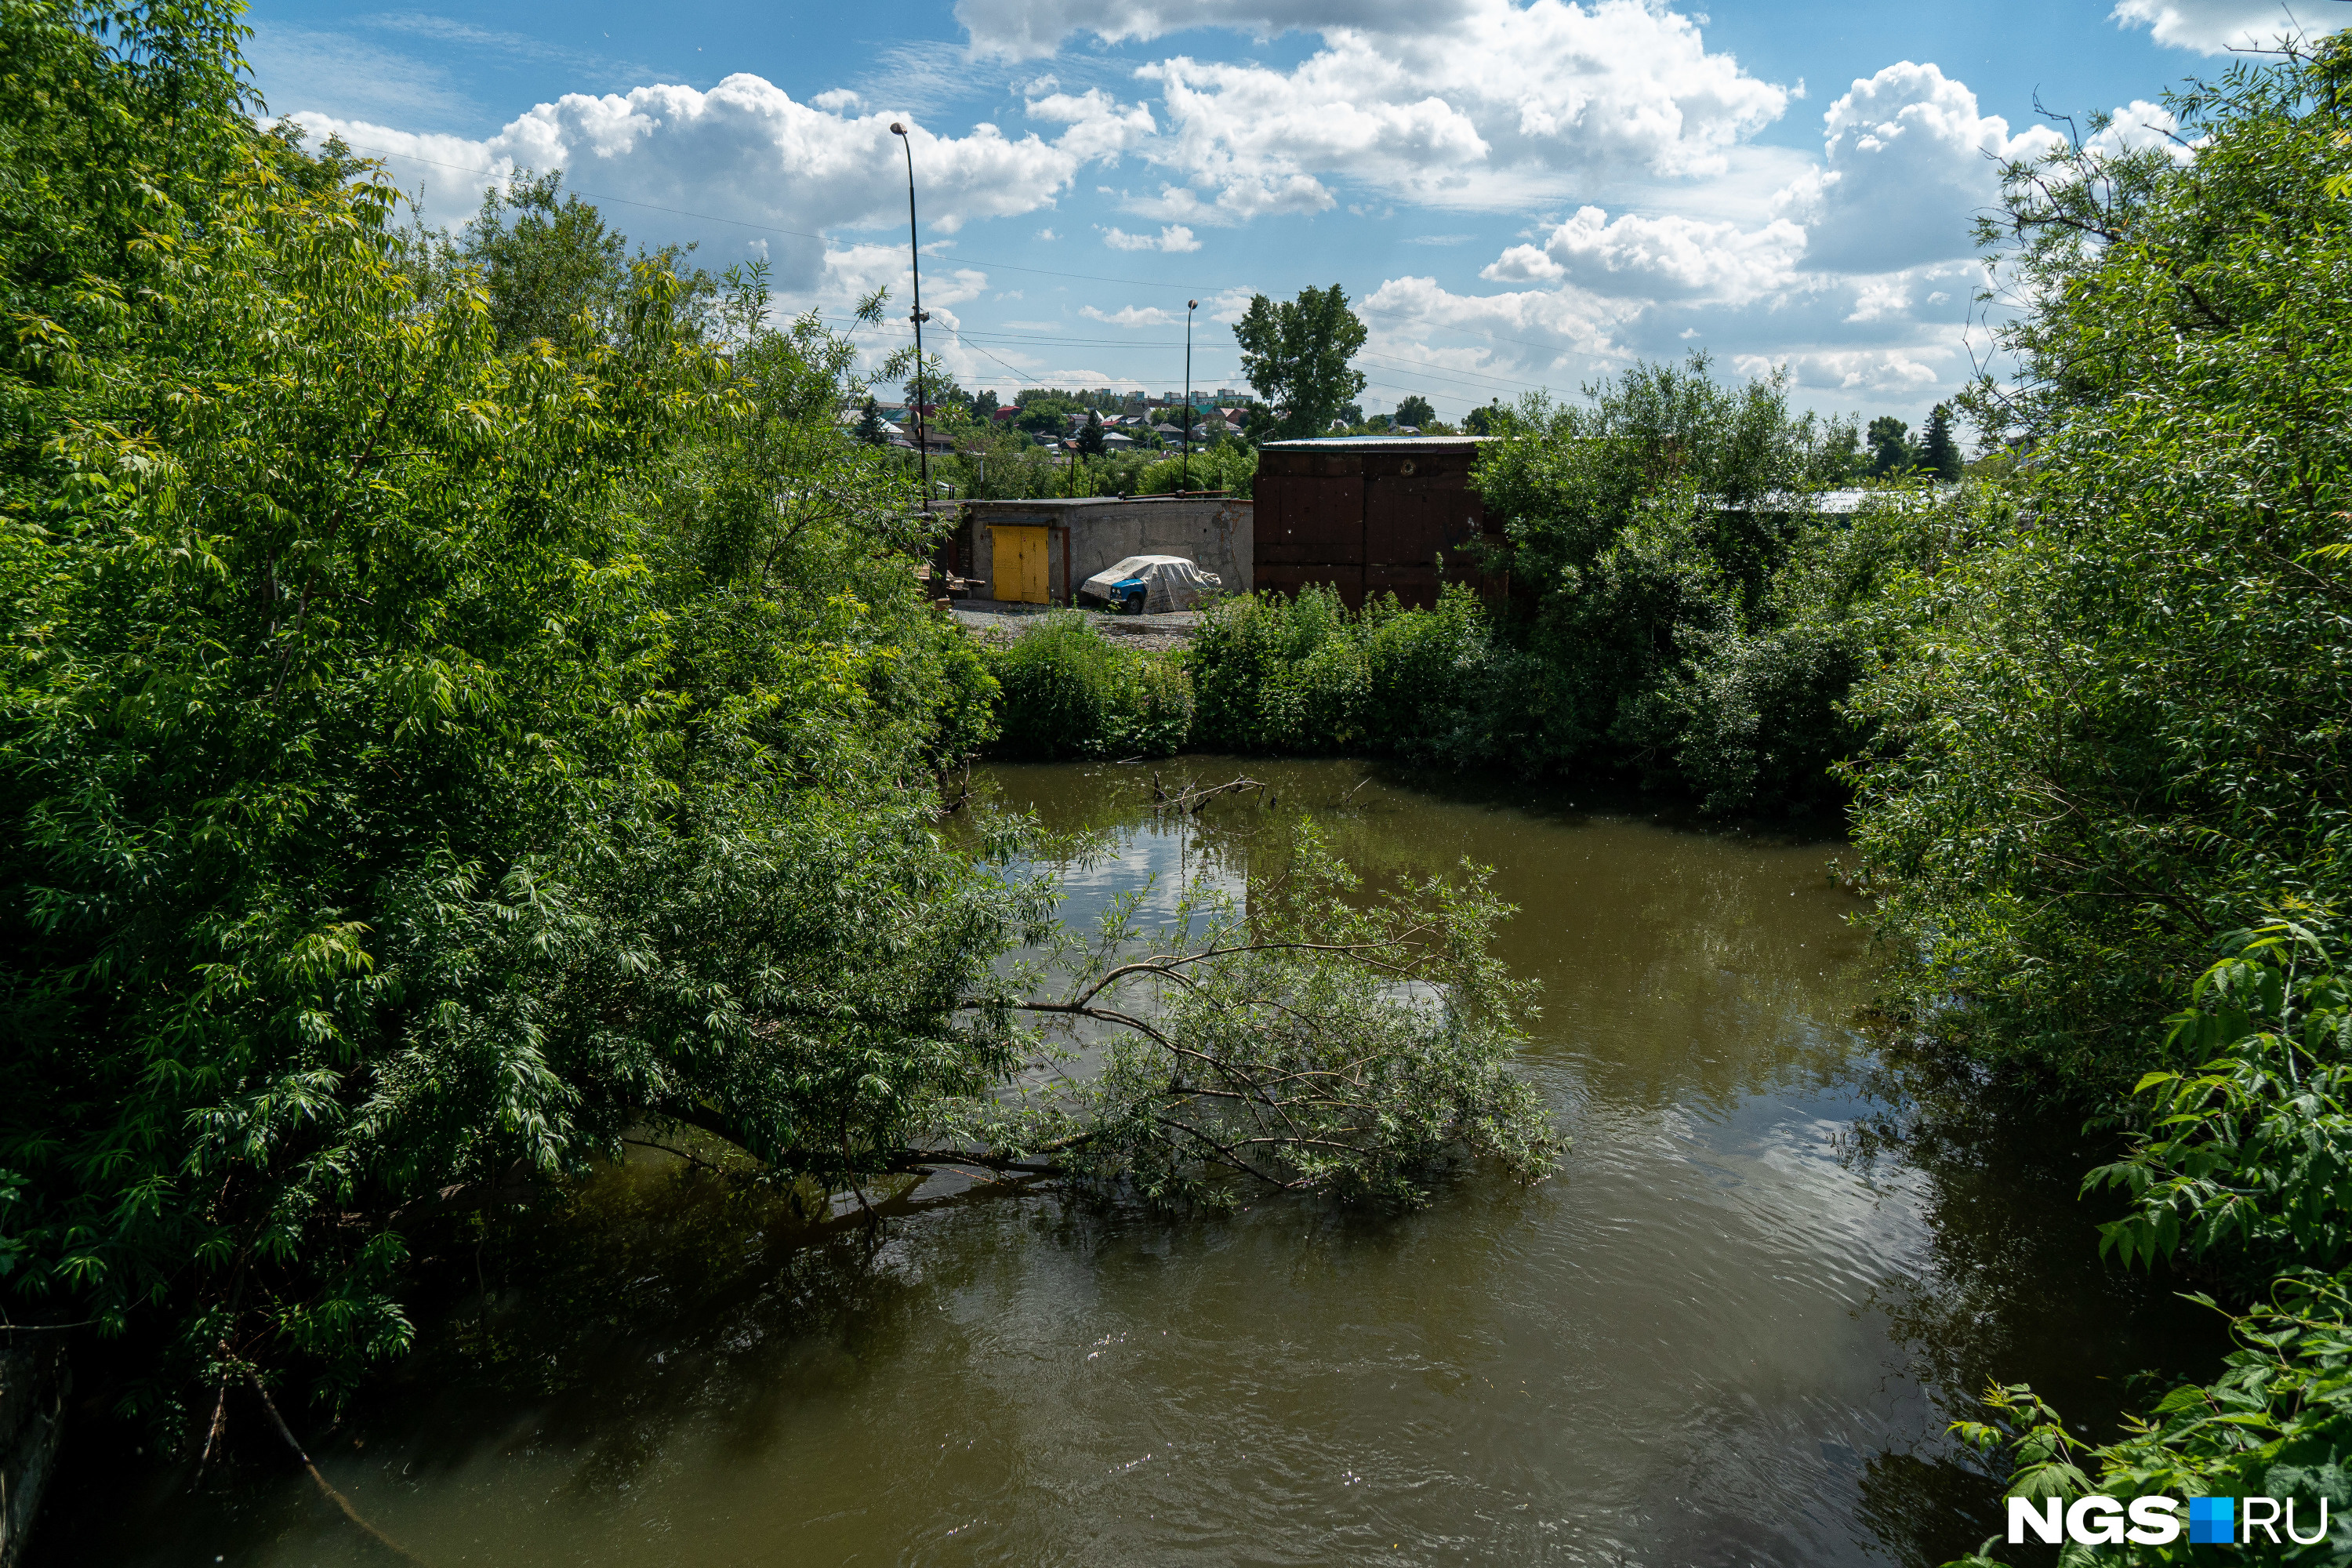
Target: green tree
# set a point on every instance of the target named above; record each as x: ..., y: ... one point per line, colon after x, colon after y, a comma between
x: 1940, y: 455
x: 2112, y: 727
x: 1889, y: 441
x: 869, y: 426
x: 1657, y: 525
x: 1296, y: 354
x: 1485, y: 421
x: 1048, y: 418
x: 549, y: 264
x: 1415, y: 410
x: 1090, y: 435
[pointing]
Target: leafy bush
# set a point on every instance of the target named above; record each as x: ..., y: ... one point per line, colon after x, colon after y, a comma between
x: 1744, y: 716
x: 1754, y: 715
x: 2249, y: 1140
x: 1068, y: 692
x: 1305, y: 674
x: 421, y: 755
x: 1249, y: 647
x: 1651, y: 532
x: 2243, y: 1163
x: 2277, y: 1423
x: 1229, y: 465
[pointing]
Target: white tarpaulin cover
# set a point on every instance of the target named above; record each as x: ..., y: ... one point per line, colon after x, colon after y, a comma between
x: 1170, y: 583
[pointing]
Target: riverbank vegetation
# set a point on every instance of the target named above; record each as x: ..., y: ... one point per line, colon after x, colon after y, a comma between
x: 467, y: 704
x: 2104, y: 799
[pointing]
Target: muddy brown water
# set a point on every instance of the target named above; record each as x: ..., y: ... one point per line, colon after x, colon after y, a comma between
x: 1731, y: 1329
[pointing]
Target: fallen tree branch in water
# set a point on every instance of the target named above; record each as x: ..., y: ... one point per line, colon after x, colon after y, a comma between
x: 1189, y: 799
x: 337, y: 1499
x: 1311, y: 1037
x: 687, y: 1155
x: 1308, y: 1040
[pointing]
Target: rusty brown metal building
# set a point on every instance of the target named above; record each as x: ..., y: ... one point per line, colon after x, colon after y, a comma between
x: 1371, y: 515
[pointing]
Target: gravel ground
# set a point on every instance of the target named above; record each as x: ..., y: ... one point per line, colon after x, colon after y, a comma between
x: 1002, y: 622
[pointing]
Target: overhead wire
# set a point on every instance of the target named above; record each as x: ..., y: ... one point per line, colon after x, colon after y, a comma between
x: 1428, y: 369
x: 979, y: 260
x: 1431, y: 368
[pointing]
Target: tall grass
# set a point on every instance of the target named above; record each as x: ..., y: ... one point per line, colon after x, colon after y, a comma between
x: 1306, y: 675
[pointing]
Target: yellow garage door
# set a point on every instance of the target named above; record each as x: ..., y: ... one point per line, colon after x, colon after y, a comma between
x: 1020, y: 564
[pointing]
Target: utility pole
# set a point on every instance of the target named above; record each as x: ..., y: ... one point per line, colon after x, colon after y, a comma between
x: 915, y: 262
x: 1185, y: 483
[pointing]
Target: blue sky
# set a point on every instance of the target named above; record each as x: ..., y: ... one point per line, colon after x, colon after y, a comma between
x: 1516, y: 195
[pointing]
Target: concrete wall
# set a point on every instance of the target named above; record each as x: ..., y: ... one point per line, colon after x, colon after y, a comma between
x: 1085, y: 536
x: 33, y: 1380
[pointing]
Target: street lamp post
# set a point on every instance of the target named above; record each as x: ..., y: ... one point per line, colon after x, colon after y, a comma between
x: 1185, y: 482
x: 915, y: 262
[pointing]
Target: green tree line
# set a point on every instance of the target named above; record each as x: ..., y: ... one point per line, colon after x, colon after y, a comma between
x: 1684, y: 614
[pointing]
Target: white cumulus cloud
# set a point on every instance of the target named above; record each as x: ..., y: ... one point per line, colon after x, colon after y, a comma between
x: 1130, y: 316
x: 1479, y: 107
x: 2213, y: 27
x: 1908, y: 162
x: 1175, y: 236
x: 1858, y: 276
x: 745, y: 151
x: 1099, y: 125
x: 1665, y: 257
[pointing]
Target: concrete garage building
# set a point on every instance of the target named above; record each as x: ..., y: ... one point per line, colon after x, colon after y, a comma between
x: 1039, y: 552
x: 1371, y: 515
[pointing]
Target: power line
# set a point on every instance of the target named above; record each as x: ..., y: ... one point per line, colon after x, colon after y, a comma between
x: 763, y: 227
x: 1428, y: 369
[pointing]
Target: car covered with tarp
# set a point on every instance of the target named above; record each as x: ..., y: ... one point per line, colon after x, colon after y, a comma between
x: 1151, y: 586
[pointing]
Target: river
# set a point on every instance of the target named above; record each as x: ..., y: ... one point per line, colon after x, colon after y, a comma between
x: 1730, y: 1330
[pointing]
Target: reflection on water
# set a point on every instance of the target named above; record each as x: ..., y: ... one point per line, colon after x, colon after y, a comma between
x: 1731, y: 1331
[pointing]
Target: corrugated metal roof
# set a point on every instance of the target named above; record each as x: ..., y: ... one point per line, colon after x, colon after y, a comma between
x: 1074, y: 503
x: 1377, y: 443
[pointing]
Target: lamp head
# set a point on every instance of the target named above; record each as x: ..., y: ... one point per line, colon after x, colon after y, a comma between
x: 897, y: 129
x: 1192, y: 304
